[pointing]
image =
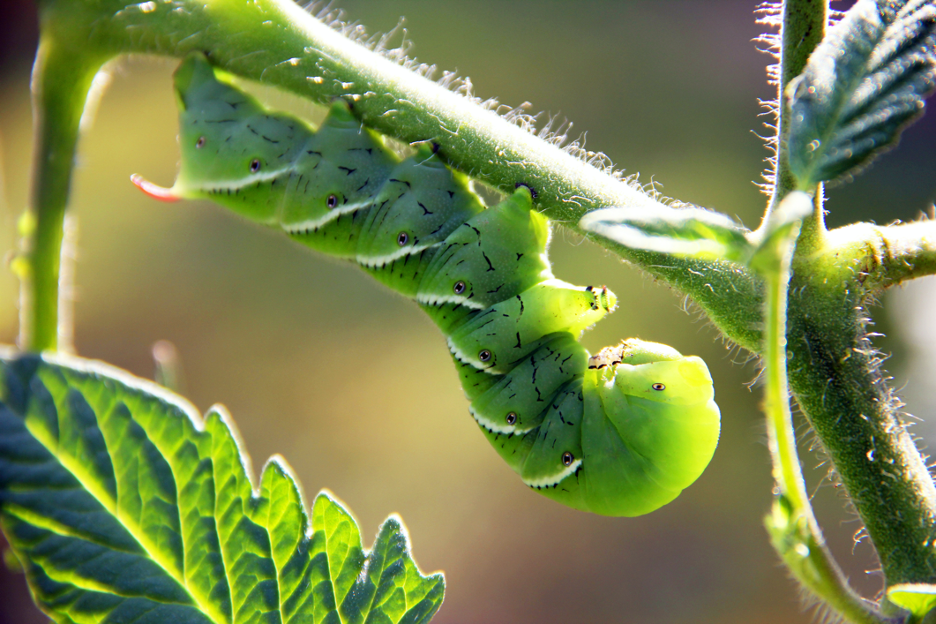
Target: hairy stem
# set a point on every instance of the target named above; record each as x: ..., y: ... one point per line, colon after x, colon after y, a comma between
x: 887, y: 255
x: 803, y: 27
x: 835, y: 374
x: 294, y: 51
x: 832, y: 371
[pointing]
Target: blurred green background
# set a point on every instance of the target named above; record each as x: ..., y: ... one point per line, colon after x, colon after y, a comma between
x: 354, y: 386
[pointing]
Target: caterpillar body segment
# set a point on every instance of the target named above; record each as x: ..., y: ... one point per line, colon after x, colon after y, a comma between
x: 517, y: 402
x: 497, y: 338
x: 497, y: 254
x: 620, y: 434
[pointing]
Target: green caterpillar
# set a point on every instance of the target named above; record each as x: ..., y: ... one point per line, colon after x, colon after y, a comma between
x: 620, y: 434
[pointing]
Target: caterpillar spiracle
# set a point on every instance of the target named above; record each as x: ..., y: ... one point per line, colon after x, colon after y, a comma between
x: 621, y: 433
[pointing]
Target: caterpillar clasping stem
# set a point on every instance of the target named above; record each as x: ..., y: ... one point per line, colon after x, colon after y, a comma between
x: 621, y: 441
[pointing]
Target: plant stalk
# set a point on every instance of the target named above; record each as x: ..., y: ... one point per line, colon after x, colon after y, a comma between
x: 795, y: 533
x: 832, y: 372
x: 296, y: 52
x: 62, y: 78
x: 802, y: 29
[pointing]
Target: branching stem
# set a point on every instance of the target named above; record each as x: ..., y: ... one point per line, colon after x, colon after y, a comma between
x: 888, y: 255
x: 298, y: 53
x: 832, y: 372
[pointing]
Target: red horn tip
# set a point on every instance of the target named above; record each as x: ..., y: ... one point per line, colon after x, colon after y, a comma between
x: 153, y: 190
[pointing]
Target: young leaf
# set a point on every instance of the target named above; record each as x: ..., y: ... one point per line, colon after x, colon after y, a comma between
x: 126, y: 507
x: 864, y: 83
x: 917, y: 598
x: 774, y: 241
x: 687, y: 231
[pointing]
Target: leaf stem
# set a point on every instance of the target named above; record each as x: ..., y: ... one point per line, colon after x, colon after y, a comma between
x: 62, y: 78
x: 794, y: 530
x: 832, y: 372
x: 889, y: 255
x: 803, y: 27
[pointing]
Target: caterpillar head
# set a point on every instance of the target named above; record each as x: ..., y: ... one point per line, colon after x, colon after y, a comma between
x: 653, y: 371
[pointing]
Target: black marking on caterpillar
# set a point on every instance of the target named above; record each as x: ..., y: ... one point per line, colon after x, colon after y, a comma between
x: 511, y: 328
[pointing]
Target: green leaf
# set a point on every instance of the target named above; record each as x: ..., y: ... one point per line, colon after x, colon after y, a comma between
x: 864, y: 83
x: 126, y: 507
x: 917, y: 598
x: 684, y: 231
x: 773, y: 243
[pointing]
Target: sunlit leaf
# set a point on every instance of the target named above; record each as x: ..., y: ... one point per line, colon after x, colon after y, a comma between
x: 685, y: 231
x: 126, y: 507
x: 917, y: 598
x: 864, y: 83
x: 774, y: 242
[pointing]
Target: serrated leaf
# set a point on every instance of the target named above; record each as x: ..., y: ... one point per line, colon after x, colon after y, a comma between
x: 862, y: 85
x: 917, y: 598
x: 686, y: 231
x: 126, y: 507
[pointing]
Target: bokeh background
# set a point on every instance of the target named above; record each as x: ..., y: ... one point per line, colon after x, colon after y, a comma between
x: 355, y: 388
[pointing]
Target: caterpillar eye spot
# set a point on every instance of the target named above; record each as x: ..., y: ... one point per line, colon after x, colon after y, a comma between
x: 331, y: 201
x: 459, y: 287
x: 484, y: 355
x: 200, y: 143
x: 511, y: 418
x: 402, y: 238
x: 255, y: 165
x: 658, y: 387
x: 567, y: 458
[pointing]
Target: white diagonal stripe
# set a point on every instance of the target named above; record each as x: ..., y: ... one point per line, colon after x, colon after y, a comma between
x: 437, y: 300
x: 551, y: 481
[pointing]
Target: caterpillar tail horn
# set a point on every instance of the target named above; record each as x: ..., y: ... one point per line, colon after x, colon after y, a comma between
x: 154, y: 190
